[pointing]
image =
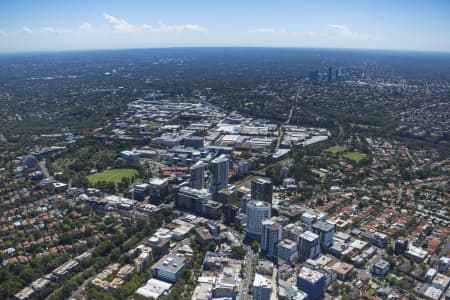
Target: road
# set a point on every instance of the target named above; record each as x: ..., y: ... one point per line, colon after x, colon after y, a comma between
x: 244, y: 287
x: 43, y: 167
x: 411, y: 158
x: 400, y: 193
x: 280, y: 130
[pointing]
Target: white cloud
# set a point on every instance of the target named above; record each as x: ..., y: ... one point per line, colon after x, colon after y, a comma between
x: 268, y: 30
x: 50, y: 29
x: 344, y: 32
x: 282, y: 31
x: 27, y: 29
x: 85, y: 26
x: 173, y: 28
x: 119, y: 25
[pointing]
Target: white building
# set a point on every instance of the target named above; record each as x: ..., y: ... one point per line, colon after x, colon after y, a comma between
x: 444, y: 263
x: 257, y: 211
x: 197, y: 180
x: 154, y: 288
x: 220, y: 169
x: 271, y: 235
x: 169, y: 268
x: 262, y: 287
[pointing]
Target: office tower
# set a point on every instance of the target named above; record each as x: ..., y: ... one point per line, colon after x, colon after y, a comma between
x: 197, y: 180
x: 326, y: 233
x: 262, y: 189
x: 270, y: 236
x: 311, y: 282
x: 314, y: 76
x: 220, y: 169
x: 309, y: 245
x: 257, y: 212
x: 262, y: 287
x: 330, y: 74
x: 287, y: 251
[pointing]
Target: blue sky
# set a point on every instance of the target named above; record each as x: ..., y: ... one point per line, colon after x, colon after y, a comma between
x: 27, y: 25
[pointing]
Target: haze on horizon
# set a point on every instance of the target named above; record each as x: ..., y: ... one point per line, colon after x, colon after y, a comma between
x: 50, y: 25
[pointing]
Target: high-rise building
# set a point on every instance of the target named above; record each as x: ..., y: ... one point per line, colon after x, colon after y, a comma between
x: 311, y: 282
x: 330, y: 74
x: 220, y: 168
x: 257, y: 212
x: 197, y: 180
x: 159, y: 188
x: 293, y: 232
x: 314, y: 76
x: 287, y: 251
x: 309, y: 245
x: 271, y: 235
x: 262, y: 287
x: 326, y: 232
x: 190, y: 199
x: 261, y: 189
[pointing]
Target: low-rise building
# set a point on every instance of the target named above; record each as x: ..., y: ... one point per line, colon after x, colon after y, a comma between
x: 342, y: 270
x: 126, y: 272
x: 160, y: 246
x: 39, y: 284
x: 169, y: 268
x: 415, y: 253
x: 154, y: 288
x: 24, y: 294
x: 64, y: 269
x: 381, y: 267
x: 202, y: 236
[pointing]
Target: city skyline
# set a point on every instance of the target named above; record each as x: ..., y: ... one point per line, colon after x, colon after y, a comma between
x: 53, y: 26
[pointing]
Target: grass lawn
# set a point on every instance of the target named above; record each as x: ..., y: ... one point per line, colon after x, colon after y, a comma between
x: 319, y: 173
x: 355, y: 156
x: 153, y: 125
x: 336, y: 149
x: 114, y: 175
x: 364, y: 126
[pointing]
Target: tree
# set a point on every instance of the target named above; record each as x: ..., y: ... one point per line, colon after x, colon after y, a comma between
x: 238, y: 250
x: 255, y: 246
x: 115, y: 254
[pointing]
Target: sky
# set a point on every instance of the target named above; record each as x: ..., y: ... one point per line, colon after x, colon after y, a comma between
x: 54, y: 25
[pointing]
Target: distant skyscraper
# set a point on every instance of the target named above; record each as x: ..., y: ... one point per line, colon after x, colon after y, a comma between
x: 271, y: 235
x: 220, y: 169
x: 330, y: 74
x: 314, y: 76
x: 197, y: 180
x: 257, y: 212
x: 262, y: 189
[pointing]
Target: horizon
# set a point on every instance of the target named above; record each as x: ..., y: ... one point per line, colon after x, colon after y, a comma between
x: 51, y: 26
x: 375, y: 50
